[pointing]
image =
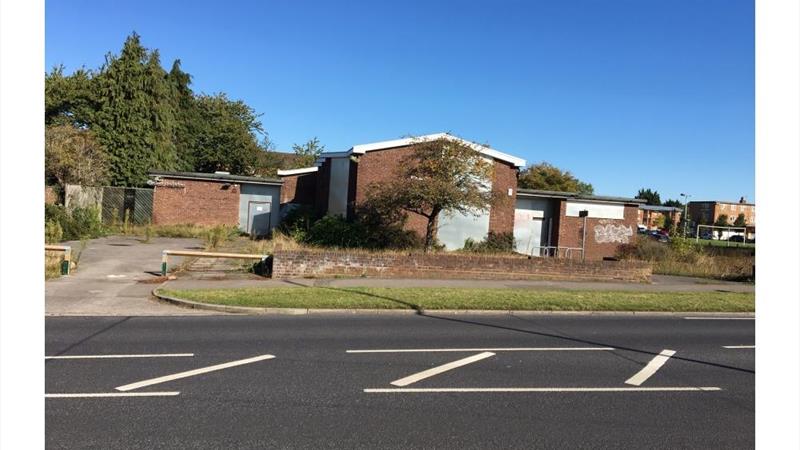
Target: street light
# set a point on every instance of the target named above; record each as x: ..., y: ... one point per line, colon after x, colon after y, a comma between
x: 685, y: 208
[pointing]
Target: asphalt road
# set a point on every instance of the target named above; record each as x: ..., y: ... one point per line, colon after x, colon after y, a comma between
x: 316, y: 394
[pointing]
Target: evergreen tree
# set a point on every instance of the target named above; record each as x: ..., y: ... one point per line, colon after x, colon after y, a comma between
x: 651, y: 196
x: 135, y: 120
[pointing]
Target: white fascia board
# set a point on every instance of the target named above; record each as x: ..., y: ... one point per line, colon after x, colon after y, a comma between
x: 363, y: 148
x: 283, y: 173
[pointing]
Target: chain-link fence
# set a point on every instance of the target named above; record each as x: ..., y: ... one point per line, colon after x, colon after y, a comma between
x: 132, y: 204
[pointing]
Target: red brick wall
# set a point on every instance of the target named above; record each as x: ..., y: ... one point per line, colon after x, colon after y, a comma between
x: 177, y: 201
x: 501, y: 215
x: 570, y: 232
x: 384, y: 165
x: 299, y: 188
x: 322, y: 263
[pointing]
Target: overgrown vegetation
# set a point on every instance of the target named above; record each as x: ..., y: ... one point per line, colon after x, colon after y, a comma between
x: 685, y: 257
x: 493, y: 243
x: 79, y: 223
x: 546, y: 176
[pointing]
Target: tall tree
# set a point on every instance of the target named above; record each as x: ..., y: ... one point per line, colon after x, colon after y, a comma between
x: 135, y: 120
x: 740, y: 221
x: 673, y: 203
x: 73, y: 156
x: 651, y: 196
x: 69, y: 99
x: 309, y: 152
x: 227, y: 135
x: 722, y: 221
x: 439, y: 175
x: 187, y: 116
x: 547, y: 177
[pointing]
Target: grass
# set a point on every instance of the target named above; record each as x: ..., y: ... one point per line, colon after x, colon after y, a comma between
x: 718, y: 243
x: 466, y: 298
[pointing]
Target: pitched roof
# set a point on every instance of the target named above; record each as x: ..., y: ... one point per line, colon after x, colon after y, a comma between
x: 360, y: 149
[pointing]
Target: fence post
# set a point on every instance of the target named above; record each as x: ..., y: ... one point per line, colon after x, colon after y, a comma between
x: 66, y: 262
x: 164, y: 263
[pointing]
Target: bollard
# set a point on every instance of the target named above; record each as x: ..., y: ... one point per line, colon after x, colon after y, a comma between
x: 66, y: 262
x: 164, y: 263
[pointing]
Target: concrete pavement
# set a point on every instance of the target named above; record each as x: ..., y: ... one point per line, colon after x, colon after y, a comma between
x: 114, y: 277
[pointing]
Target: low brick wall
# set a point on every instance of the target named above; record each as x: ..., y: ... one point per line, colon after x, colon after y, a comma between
x: 323, y: 263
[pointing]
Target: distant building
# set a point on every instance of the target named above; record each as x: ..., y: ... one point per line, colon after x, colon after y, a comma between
x: 707, y: 212
x: 652, y: 217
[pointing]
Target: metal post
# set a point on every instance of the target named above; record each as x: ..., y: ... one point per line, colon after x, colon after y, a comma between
x: 685, y: 212
x: 67, y: 261
x: 164, y: 263
x: 584, y: 214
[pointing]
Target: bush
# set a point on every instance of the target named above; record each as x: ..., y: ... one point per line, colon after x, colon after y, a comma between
x: 335, y: 231
x: 79, y: 223
x: 297, y: 222
x: 52, y: 232
x: 214, y: 236
x: 493, y: 243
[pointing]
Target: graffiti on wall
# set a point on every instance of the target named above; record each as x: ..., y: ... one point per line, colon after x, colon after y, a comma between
x: 610, y: 233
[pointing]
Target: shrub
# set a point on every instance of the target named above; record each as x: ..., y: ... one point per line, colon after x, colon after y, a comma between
x: 53, y: 232
x: 335, y: 231
x: 493, y: 243
x: 214, y: 236
x: 79, y: 223
x: 297, y: 222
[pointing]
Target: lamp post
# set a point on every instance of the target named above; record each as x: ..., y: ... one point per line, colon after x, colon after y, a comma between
x: 685, y: 209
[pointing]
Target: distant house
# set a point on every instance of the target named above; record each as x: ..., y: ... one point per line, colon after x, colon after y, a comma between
x: 542, y: 222
x: 251, y: 203
x: 652, y: 217
x: 708, y: 212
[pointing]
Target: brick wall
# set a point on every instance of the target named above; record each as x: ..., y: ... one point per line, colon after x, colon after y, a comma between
x: 321, y: 263
x: 385, y: 165
x: 301, y: 188
x: 501, y: 215
x: 323, y: 187
x: 177, y: 201
x: 570, y: 232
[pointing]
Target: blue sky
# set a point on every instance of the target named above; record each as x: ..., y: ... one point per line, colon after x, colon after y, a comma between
x: 623, y: 93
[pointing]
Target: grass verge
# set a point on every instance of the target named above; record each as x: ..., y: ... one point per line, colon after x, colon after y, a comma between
x: 465, y: 298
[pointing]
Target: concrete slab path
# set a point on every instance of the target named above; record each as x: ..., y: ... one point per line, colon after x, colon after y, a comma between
x: 115, y: 277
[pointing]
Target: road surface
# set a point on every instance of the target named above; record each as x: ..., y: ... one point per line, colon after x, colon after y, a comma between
x: 399, y: 381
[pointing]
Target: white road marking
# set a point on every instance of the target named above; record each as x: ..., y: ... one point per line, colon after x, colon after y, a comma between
x: 738, y: 346
x: 510, y: 349
x: 439, y: 369
x: 190, y: 373
x: 114, y: 394
x: 158, y: 355
x: 650, y: 368
x: 571, y: 389
x: 720, y: 318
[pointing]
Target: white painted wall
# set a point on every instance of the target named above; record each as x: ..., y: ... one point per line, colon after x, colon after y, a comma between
x: 337, y: 192
x: 455, y: 228
x: 596, y: 210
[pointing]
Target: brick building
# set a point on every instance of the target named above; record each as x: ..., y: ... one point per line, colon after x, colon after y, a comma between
x: 652, y: 217
x: 251, y: 203
x: 543, y: 222
x: 707, y: 212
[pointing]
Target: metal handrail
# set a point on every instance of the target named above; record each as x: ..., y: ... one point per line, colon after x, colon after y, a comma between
x: 555, y: 251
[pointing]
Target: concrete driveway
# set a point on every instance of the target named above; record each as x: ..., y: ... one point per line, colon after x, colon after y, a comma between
x: 115, y: 276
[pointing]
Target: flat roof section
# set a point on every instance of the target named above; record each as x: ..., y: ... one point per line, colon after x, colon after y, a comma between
x: 576, y: 196
x: 221, y: 177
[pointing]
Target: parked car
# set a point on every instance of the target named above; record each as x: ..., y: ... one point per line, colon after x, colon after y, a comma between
x: 659, y: 235
x: 736, y: 238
